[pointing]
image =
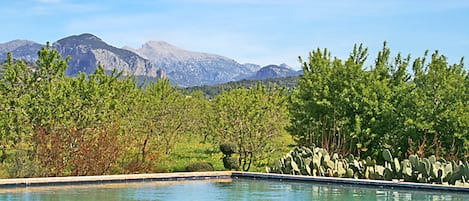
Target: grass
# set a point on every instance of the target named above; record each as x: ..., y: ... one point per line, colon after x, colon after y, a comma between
x: 192, y: 149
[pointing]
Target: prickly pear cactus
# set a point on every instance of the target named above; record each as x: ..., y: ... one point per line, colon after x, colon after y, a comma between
x: 387, y: 155
x: 318, y: 162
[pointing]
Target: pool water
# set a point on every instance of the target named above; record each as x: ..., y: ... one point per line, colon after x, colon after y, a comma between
x: 228, y: 189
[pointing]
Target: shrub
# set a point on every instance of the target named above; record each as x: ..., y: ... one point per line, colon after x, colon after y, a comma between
x: 230, y: 163
x: 201, y: 166
x: 228, y: 148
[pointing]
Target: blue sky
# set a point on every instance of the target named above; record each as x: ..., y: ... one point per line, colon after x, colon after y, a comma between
x: 250, y: 31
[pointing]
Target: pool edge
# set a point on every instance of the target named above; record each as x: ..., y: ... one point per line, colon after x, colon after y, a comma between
x: 365, y: 182
x: 74, y: 180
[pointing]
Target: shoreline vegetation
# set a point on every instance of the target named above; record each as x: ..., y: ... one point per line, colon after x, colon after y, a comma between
x: 104, y: 124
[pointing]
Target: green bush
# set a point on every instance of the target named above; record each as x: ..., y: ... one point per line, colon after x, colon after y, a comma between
x: 201, y: 166
x: 228, y: 148
x: 230, y: 163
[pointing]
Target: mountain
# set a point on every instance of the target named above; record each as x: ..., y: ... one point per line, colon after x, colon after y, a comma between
x: 188, y: 68
x: 153, y: 59
x: 88, y: 51
x: 20, y: 49
x: 274, y: 71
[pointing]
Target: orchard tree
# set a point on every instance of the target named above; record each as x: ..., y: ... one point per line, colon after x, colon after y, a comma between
x: 250, y: 118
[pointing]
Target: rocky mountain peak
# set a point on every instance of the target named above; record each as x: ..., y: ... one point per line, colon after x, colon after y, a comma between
x: 274, y: 71
x: 86, y: 37
x: 20, y: 49
x: 284, y: 65
x: 162, y: 49
x: 88, y: 51
x: 14, y: 44
x: 82, y: 40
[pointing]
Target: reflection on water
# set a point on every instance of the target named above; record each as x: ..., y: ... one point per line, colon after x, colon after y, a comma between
x: 236, y: 189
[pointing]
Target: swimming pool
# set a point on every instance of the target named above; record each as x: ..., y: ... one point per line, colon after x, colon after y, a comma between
x: 224, y: 189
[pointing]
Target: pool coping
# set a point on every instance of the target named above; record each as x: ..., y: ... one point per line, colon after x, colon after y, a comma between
x: 184, y: 176
x: 363, y: 182
x: 103, y: 179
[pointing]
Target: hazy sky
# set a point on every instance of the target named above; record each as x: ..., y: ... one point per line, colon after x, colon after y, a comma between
x: 249, y: 31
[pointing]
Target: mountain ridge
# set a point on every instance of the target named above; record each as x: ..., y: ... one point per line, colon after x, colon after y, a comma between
x: 88, y: 51
x: 154, y: 59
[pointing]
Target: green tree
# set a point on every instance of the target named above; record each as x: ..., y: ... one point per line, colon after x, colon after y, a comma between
x: 251, y: 118
x: 159, y: 116
x: 347, y: 108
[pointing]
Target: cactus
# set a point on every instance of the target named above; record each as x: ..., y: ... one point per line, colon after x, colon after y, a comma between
x: 388, y: 174
x: 308, y: 165
x: 438, y: 172
x: 421, y: 178
x: 396, y: 166
x: 328, y: 164
x: 387, y: 155
x: 432, y: 159
x: 294, y: 167
x: 414, y: 161
x: 427, y: 167
x: 335, y: 157
x: 448, y: 168
x: 466, y: 167
x: 369, y: 172
x: 369, y: 161
x: 406, y: 168
x: 340, y: 169
x: 318, y: 162
x: 349, y: 173
x: 325, y: 157
x: 351, y: 157
x: 458, y: 172
x: 379, y: 172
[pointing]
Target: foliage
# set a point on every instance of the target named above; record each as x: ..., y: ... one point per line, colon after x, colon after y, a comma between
x: 199, y: 167
x: 54, y: 125
x: 107, y: 123
x: 347, y: 108
x: 319, y: 162
x: 250, y: 118
x: 228, y: 148
x: 230, y: 163
x: 210, y: 92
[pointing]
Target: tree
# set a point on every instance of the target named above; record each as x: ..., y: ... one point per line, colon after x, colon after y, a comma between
x: 251, y: 118
x: 347, y: 108
x: 159, y: 115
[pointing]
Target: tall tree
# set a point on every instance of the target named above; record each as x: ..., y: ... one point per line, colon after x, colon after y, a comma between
x: 251, y: 118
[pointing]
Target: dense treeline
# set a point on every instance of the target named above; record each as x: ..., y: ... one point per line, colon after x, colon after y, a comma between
x: 210, y: 91
x: 418, y: 106
x: 55, y: 125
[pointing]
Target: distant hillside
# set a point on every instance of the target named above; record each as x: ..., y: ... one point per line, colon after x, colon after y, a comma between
x: 20, y: 49
x: 189, y: 68
x: 211, y: 91
x: 274, y: 71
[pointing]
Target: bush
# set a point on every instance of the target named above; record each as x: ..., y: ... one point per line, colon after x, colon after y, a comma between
x: 199, y: 167
x: 230, y: 163
x: 228, y: 148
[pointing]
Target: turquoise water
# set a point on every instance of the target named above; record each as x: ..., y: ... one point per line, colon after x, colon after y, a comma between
x: 236, y: 189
